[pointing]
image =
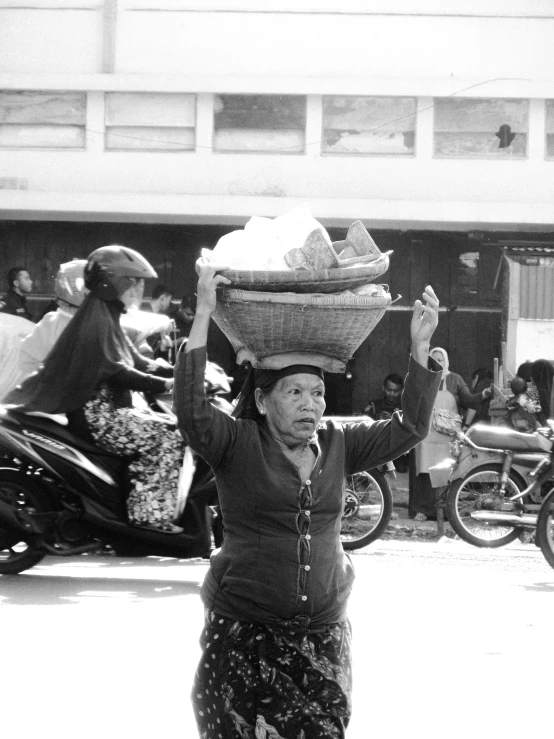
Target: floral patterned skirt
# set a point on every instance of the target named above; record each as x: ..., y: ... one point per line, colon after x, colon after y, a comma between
x: 256, y: 681
x: 154, y: 474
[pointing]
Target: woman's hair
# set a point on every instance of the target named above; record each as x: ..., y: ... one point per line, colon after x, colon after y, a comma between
x: 524, y: 370
x: 91, y: 349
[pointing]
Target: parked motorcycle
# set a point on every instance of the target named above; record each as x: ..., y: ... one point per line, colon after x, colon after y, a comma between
x: 497, y: 480
x: 62, y: 496
x: 367, y: 507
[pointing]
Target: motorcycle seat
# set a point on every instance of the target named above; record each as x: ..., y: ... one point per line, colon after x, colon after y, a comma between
x: 502, y: 437
x: 53, y: 428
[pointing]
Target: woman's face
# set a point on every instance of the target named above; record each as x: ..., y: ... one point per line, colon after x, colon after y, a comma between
x: 133, y: 294
x: 293, y: 407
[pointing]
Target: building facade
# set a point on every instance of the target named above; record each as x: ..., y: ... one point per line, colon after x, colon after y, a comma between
x: 165, y: 123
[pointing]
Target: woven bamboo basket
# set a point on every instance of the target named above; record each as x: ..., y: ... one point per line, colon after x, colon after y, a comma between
x: 308, y: 281
x: 273, y: 330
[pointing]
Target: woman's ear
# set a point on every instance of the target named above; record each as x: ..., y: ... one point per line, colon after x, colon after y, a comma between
x: 260, y: 401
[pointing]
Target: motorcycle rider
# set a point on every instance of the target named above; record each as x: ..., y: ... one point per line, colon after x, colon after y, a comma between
x: 70, y: 291
x: 89, y: 375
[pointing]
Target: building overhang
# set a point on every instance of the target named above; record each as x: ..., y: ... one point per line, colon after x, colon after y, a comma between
x: 236, y: 210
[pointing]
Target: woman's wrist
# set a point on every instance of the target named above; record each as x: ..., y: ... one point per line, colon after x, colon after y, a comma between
x: 420, y: 352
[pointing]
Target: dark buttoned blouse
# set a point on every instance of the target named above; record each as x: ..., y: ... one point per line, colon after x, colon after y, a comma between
x: 282, y: 559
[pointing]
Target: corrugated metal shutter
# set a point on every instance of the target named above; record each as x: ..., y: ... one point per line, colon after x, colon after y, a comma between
x: 536, y: 290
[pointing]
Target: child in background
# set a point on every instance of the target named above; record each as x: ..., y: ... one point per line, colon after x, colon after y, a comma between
x: 522, y: 409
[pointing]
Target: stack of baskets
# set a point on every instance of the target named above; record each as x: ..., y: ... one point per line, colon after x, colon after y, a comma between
x: 274, y: 319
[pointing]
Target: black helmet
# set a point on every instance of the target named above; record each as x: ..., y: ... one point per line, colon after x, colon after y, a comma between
x: 108, y: 263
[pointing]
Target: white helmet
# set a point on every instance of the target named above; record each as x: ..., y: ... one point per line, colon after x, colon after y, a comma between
x: 70, y: 282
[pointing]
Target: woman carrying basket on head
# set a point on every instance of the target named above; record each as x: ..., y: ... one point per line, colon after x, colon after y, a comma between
x: 276, y: 643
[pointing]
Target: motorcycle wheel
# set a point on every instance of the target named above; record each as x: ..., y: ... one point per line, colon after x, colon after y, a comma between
x: 17, y: 555
x: 468, y: 494
x: 367, y: 509
x: 544, y: 537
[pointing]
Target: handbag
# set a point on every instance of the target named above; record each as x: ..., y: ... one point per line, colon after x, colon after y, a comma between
x: 446, y: 422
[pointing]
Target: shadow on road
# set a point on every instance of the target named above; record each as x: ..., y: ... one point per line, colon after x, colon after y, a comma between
x: 541, y: 587
x: 94, y: 579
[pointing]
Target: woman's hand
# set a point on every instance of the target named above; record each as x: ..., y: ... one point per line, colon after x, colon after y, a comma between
x: 206, y: 295
x: 425, y: 320
x: 208, y: 281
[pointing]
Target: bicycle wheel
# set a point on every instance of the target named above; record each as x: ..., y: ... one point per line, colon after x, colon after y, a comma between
x: 367, y: 509
x: 545, y: 528
x: 478, y: 491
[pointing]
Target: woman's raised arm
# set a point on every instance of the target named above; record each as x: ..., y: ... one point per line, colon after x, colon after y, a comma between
x: 208, y: 282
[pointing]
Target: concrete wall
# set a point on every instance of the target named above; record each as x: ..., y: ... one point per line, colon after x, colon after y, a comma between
x: 476, y: 49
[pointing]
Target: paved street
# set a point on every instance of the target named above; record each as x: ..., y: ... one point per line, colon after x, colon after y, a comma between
x: 449, y: 641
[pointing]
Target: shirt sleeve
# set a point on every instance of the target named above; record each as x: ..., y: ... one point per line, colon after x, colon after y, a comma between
x: 463, y: 395
x: 369, y: 445
x: 132, y: 379
x: 206, y: 429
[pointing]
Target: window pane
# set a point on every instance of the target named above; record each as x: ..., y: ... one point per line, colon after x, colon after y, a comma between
x: 150, y: 109
x: 260, y: 123
x: 42, y: 137
x: 160, y: 139
x: 42, y: 107
x: 369, y: 125
x: 550, y: 129
x: 239, y: 139
x: 150, y: 121
x: 481, y: 128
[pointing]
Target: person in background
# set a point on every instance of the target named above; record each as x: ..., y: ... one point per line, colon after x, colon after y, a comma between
x: 90, y: 374
x: 15, y: 301
x: 161, y: 300
x: 522, y: 411
x: 12, y: 330
x: 542, y: 374
x: 382, y: 409
x: 184, y: 317
x: 276, y: 645
x: 160, y: 343
x: 70, y: 292
x: 480, y: 380
x: 524, y: 371
x: 454, y: 396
